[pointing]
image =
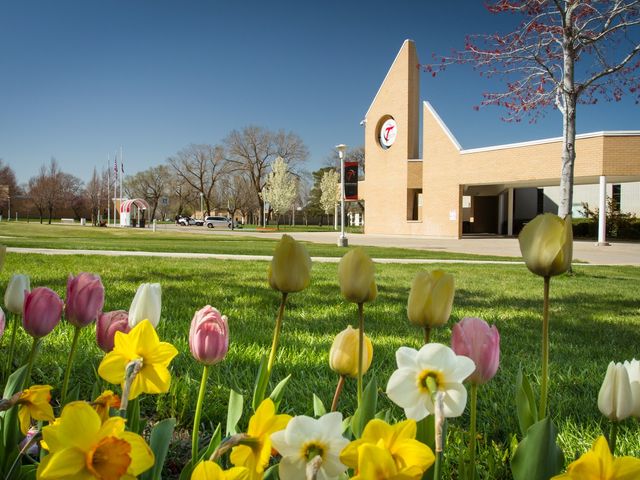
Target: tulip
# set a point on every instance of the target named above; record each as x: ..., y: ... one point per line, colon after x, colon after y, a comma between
x: 633, y: 370
x: 146, y: 305
x: 42, y: 311
x: 343, y: 356
x: 14, y: 294
x: 474, y: 338
x: 209, y: 336
x: 209, y: 343
x: 614, y: 398
x: 2, y: 322
x: 430, y: 299
x: 85, y: 299
x: 290, y: 266
x: 546, y: 243
x: 356, y: 275
x: 107, y: 325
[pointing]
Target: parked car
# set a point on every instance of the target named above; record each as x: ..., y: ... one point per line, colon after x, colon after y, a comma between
x: 186, y: 221
x: 212, y: 222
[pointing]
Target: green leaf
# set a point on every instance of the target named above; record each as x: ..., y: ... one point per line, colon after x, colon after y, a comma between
x: 272, y: 473
x: 278, y: 392
x: 133, y: 415
x: 318, y: 406
x: 11, y: 434
x: 367, y: 410
x: 234, y: 411
x: 525, y: 403
x: 159, y: 442
x: 216, y: 438
x: 260, y: 385
x: 538, y: 457
x: 425, y: 433
x: 15, y: 381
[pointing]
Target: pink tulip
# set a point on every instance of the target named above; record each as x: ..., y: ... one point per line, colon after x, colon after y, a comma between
x: 474, y: 338
x: 107, y: 325
x: 85, y: 299
x: 2, y: 322
x: 41, y: 311
x: 209, y: 336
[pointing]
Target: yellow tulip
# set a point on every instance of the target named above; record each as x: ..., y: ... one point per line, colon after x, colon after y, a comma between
x: 356, y: 274
x: 598, y: 463
x: 546, y: 243
x: 34, y: 403
x: 141, y: 343
x: 430, y: 298
x: 81, y: 446
x: 343, y: 356
x: 290, y: 267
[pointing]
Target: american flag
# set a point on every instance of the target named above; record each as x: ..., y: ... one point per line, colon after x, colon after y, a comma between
x: 115, y: 166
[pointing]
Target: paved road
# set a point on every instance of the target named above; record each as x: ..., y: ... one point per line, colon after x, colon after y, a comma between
x: 618, y: 253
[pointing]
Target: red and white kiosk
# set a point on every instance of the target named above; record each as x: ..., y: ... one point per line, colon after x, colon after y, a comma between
x: 133, y: 212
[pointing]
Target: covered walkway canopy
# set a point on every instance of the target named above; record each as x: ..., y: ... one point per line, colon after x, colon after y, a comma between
x: 133, y: 212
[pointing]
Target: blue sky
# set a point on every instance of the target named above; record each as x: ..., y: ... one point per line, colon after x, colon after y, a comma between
x: 80, y: 78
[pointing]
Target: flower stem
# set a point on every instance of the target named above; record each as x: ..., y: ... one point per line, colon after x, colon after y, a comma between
x: 12, y: 344
x: 32, y: 357
x: 544, y: 386
x: 427, y: 334
x: 276, y: 335
x: 67, y: 371
x: 360, y: 349
x: 196, y: 420
x: 336, y: 396
x: 472, y: 431
x: 613, y: 433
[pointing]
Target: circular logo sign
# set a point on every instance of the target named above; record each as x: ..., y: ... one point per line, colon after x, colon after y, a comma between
x: 388, y: 133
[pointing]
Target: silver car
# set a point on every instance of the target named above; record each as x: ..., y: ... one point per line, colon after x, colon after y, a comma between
x: 212, y: 222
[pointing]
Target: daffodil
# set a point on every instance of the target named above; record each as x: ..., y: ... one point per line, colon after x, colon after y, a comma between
x: 105, y: 401
x: 261, y: 425
x: 81, y: 447
x: 306, y: 438
x: 375, y: 462
x: 34, y: 403
x: 410, y: 457
x: 599, y: 464
x: 142, y: 344
x: 207, y: 470
x: 421, y: 374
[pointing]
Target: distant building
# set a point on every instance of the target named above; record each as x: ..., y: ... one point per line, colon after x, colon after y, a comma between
x: 450, y: 191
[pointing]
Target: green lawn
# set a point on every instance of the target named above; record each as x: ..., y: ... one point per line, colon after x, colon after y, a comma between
x: 93, y: 238
x: 594, y: 319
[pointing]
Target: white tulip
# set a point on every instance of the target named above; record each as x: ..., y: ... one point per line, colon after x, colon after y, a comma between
x: 633, y: 370
x: 14, y: 294
x: 305, y: 438
x: 421, y: 374
x: 146, y: 305
x: 614, y: 399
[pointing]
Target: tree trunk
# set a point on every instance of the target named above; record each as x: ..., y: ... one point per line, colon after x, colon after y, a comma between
x: 569, y: 97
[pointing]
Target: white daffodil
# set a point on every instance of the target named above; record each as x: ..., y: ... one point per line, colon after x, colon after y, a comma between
x: 633, y: 370
x: 146, y: 305
x: 304, y: 439
x: 421, y: 374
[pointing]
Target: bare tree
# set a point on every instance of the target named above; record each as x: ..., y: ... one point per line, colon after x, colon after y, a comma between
x: 151, y: 184
x: 564, y: 52
x: 8, y: 187
x: 181, y: 194
x: 201, y: 166
x: 253, y: 149
x: 94, y: 195
x: 37, y: 189
x: 72, y: 194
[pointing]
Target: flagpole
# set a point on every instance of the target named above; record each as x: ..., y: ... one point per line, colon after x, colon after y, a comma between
x: 121, y: 172
x: 108, y: 190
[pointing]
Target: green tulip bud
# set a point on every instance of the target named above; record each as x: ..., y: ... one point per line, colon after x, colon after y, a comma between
x: 290, y: 268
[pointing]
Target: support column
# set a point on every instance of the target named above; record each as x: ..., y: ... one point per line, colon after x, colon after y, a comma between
x: 510, y: 212
x: 500, y: 213
x: 602, y: 214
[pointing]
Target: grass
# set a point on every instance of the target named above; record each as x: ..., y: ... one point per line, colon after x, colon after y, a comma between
x: 34, y: 235
x: 594, y: 319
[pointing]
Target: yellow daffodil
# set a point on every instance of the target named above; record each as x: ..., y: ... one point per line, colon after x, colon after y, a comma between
x: 34, y: 403
x: 207, y: 470
x: 410, y: 457
x: 376, y: 462
x: 104, y: 402
x: 141, y: 343
x: 356, y: 274
x: 261, y: 425
x: 82, y: 447
x: 546, y: 243
x: 290, y: 268
x: 599, y: 464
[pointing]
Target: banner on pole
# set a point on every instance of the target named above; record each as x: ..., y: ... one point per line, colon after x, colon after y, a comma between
x: 351, y: 180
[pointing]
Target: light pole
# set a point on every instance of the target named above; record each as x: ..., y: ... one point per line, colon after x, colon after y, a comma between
x: 202, y: 205
x: 342, y: 239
